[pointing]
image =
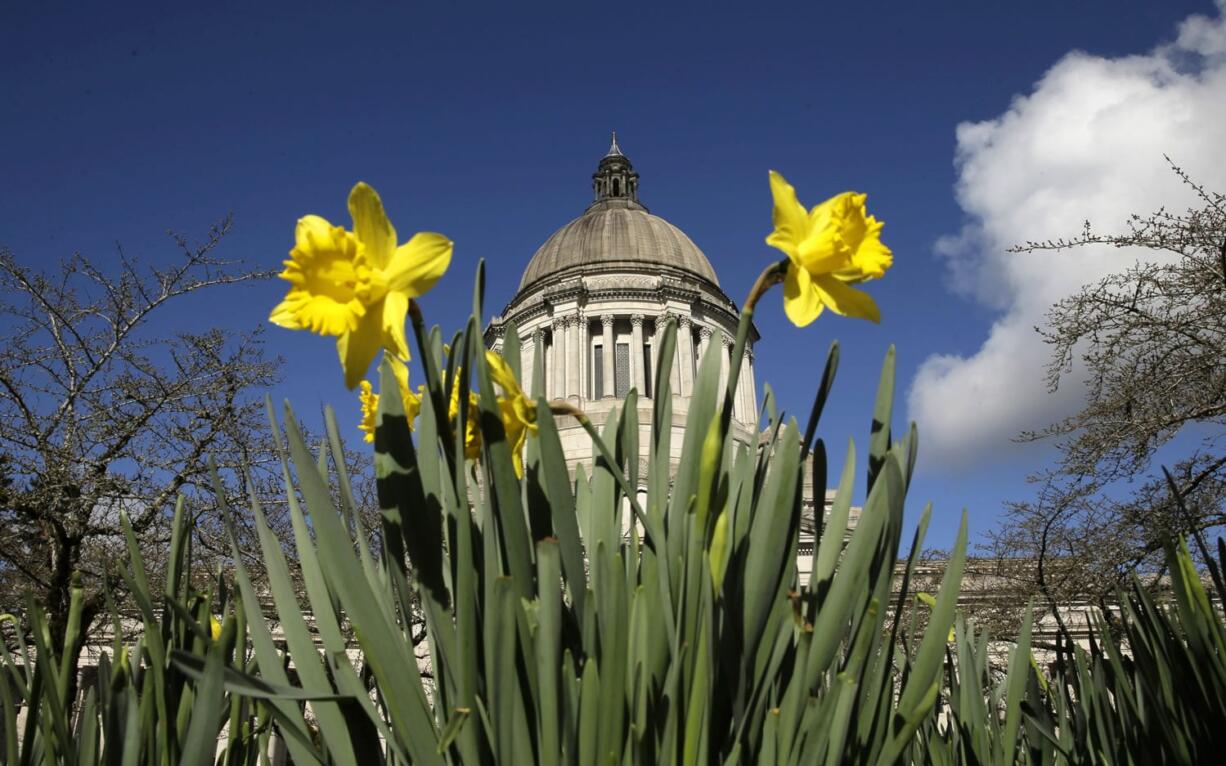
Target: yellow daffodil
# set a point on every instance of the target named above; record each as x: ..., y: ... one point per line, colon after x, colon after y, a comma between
x: 357, y: 285
x: 214, y: 628
x: 472, y: 428
x: 516, y: 409
x: 370, y: 406
x: 829, y: 247
x: 370, y: 400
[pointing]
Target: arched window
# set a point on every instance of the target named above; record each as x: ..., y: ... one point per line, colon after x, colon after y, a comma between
x: 616, y: 187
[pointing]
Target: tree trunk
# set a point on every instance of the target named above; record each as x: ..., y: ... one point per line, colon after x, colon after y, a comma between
x: 65, y: 553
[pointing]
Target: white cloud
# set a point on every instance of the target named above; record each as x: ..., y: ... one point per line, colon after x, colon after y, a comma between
x: 1086, y: 143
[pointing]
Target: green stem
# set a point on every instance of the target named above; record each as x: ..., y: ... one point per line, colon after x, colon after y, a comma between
x: 770, y: 276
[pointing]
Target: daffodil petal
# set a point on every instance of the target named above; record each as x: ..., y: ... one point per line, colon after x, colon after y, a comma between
x: 412, y: 401
x: 525, y: 410
x: 826, y: 248
x: 371, y: 226
x: 800, y: 300
x: 453, y: 405
x: 412, y: 407
x: 790, y: 219
x: 516, y: 432
x: 472, y: 429
x: 285, y: 314
x: 401, y: 371
x: 357, y: 349
x: 418, y: 263
x: 821, y: 215
x: 846, y: 301
x: 395, y: 308
x: 370, y: 407
x: 823, y: 253
x: 500, y: 373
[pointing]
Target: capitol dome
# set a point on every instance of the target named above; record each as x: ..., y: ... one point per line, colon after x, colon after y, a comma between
x: 610, y: 236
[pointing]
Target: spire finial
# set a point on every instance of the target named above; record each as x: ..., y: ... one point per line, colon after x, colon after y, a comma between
x: 614, y: 150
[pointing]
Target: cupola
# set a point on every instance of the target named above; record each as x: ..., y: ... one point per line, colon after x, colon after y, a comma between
x: 615, y: 177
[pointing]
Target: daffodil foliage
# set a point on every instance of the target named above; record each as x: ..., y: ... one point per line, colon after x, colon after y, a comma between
x: 598, y: 615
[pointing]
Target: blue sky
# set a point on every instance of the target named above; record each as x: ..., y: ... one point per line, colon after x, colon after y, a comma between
x: 971, y: 126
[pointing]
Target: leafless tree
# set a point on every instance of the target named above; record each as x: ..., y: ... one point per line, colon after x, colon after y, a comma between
x: 110, y: 402
x: 1152, y: 340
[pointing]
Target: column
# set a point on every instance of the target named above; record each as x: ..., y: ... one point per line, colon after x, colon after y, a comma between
x: 636, y: 353
x: 658, y: 339
x: 558, y: 360
x: 584, y: 353
x: 725, y: 362
x: 752, y: 388
x: 704, y: 341
x: 606, y: 322
x: 742, y: 391
x: 538, y: 351
x: 527, y: 350
x: 546, y: 380
x: 657, y: 335
x: 571, y: 362
x: 685, y: 356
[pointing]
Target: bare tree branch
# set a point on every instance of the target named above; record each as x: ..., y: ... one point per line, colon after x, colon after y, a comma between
x: 1151, y: 340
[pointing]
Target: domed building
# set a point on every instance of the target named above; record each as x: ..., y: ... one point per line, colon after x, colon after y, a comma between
x: 594, y: 299
x: 591, y: 302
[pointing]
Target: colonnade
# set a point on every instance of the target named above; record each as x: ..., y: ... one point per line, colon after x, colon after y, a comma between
x: 567, y: 343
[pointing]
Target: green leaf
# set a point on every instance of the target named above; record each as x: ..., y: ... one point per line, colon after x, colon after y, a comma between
x: 200, y: 744
x: 767, y: 545
x: 830, y: 546
x: 879, y: 441
x: 548, y: 650
x: 926, y: 669
x: 234, y: 681
x: 1019, y: 670
x: 297, y: 635
x: 458, y: 718
x: 589, y: 714
x: 383, y: 645
x: 823, y: 393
